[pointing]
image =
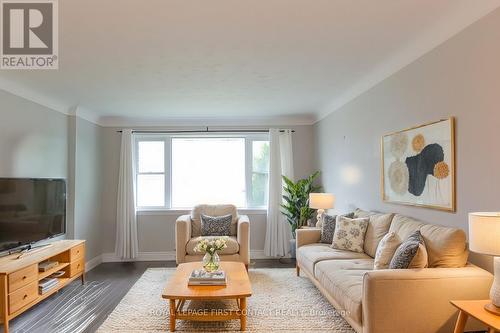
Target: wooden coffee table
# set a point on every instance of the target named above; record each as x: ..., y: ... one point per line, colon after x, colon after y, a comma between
x: 238, y: 288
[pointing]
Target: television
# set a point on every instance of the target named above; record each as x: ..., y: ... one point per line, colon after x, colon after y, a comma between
x: 31, y: 210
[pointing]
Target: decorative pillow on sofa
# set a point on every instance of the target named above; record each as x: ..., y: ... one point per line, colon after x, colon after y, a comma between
x: 350, y: 234
x: 407, y: 251
x: 328, y: 227
x: 216, y: 225
x: 385, y: 250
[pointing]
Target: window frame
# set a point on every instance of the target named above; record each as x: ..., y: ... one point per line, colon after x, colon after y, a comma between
x: 167, y: 172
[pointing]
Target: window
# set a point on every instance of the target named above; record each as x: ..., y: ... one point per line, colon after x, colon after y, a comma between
x: 175, y: 171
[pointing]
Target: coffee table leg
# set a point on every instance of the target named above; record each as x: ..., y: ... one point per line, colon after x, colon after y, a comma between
x: 243, y: 318
x: 172, y: 315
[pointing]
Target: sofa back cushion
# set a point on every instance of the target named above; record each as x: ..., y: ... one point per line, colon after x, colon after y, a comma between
x: 378, y: 226
x: 212, y: 210
x: 359, y: 213
x: 446, y: 246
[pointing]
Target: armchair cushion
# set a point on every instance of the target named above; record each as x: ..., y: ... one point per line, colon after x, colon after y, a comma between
x: 212, y: 210
x: 232, y: 245
x: 216, y: 225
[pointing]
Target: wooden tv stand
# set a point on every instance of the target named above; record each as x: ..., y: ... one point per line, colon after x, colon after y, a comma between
x: 19, y: 276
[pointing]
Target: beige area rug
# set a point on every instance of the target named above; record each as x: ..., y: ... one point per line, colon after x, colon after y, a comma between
x: 281, y: 302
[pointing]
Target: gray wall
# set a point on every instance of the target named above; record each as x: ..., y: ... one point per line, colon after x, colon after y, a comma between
x: 33, y: 139
x: 460, y: 78
x: 88, y: 186
x: 156, y: 230
x: 36, y: 141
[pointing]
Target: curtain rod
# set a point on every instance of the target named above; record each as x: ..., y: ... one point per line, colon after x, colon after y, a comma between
x: 205, y: 131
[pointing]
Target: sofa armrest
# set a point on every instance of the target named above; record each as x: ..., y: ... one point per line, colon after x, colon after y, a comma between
x: 418, y: 300
x: 182, y: 237
x: 307, y: 236
x: 243, y: 238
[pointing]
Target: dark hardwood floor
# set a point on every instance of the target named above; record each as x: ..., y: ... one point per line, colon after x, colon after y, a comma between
x: 83, y: 308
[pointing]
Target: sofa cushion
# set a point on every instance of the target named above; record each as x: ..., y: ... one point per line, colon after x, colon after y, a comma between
x: 404, y: 226
x: 421, y: 259
x: 350, y: 234
x: 378, y: 226
x: 358, y: 213
x: 406, y: 251
x: 343, y: 280
x: 309, y: 255
x: 446, y: 246
x: 385, y: 250
x: 232, y: 245
x: 328, y: 227
x: 212, y: 210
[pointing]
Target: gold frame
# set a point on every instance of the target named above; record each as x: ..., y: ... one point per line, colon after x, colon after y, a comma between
x: 453, y: 161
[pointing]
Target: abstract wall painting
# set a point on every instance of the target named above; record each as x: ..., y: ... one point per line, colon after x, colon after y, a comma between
x: 418, y: 166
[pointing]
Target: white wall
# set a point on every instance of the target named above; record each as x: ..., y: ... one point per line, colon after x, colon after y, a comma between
x: 459, y: 78
x: 156, y: 230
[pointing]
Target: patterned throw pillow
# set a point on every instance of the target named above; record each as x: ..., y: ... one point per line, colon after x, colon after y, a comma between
x: 406, y: 251
x: 350, y: 234
x: 328, y: 227
x: 216, y: 225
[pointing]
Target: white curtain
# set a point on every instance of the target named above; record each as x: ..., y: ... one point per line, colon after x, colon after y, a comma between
x: 126, y: 246
x: 278, y: 232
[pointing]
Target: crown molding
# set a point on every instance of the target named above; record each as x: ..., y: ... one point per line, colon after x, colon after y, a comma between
x: 433, y: 37
x: 207, y: 121
x: 47, y: 102
x: 33, y: 96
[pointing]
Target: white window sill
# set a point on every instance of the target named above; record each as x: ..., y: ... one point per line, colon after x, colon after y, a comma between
x: 177, y: 212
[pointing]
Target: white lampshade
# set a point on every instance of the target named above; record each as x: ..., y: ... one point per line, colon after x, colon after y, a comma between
x: 484, y: 233
x: 321, y: 200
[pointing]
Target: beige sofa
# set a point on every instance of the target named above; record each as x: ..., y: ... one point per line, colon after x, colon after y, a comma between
x: 390, y: 300
x: 188, y: 234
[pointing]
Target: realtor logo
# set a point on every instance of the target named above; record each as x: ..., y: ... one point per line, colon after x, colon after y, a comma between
x: 29, y: 34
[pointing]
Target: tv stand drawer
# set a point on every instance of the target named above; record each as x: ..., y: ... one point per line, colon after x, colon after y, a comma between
x: 76, y: 267
x: 23, y: 296
x: 77, y: 252
x: 23, y: 277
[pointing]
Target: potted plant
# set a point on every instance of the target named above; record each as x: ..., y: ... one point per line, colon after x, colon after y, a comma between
x: 295, y: 205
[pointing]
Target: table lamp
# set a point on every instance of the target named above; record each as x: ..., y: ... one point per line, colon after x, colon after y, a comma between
x: 484, y: 238
x: 321, y: 201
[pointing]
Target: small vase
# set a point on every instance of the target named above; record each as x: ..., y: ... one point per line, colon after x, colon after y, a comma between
x: 211, y: 262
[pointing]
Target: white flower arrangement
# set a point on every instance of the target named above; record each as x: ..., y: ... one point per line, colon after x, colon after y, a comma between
x: 211, y: 245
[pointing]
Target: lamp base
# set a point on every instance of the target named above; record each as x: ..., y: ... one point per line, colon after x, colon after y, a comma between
x: 319, y: 218
x: 491, y: 308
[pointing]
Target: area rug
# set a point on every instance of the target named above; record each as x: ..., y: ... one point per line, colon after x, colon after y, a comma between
x: 280, y: 302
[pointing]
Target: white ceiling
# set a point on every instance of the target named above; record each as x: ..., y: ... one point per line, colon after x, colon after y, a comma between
x: 133, y: 62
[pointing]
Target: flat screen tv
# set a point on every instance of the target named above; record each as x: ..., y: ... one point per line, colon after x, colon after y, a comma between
x: 31, y: 210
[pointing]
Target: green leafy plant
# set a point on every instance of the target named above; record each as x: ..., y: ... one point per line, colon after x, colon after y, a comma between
x: 296, y: 200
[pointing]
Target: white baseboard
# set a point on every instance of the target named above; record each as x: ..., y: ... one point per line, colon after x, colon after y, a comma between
x: 167, y: 255
x: 96, y: 261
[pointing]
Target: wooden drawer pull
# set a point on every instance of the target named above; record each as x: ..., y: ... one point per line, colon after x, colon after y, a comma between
x: 25, y: 277
x: 25, y: 296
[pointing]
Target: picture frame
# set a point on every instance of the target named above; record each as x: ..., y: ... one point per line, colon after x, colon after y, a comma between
x: 418, y: 166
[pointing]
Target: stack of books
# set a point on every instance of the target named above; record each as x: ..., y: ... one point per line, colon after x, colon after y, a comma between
x: 200, y: 277
x: 46, y: 284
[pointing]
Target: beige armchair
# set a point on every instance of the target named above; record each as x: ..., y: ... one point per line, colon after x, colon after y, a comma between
x: 188, y: 234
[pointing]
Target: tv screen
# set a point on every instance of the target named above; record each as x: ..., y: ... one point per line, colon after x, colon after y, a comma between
x: 31, y: 210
